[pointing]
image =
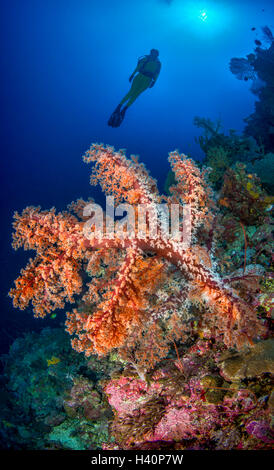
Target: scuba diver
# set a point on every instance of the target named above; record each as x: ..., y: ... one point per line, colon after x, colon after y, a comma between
x: 148, y: 69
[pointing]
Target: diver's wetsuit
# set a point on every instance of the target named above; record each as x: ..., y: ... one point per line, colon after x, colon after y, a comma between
x: 148, y: 71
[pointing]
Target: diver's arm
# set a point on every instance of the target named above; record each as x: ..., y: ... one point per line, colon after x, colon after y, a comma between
x: 139, y: 65
x: 133, y: 73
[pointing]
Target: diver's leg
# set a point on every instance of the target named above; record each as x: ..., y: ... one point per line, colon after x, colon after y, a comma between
x: 125, y: 98
x: 140, y: 85
x: 132, y: 90
x: 134, y: 96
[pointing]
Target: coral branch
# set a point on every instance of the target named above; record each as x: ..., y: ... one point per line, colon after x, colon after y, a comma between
x: 191, y: 188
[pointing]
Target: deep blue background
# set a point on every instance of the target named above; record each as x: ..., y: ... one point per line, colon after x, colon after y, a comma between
x: 65, y: 66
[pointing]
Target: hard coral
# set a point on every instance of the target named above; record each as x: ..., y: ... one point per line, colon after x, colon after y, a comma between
x: 251, y: 363
x: 192, y: 406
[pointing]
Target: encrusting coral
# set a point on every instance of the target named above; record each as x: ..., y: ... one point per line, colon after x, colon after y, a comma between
x: 134, y: 265
x: 189, y: 405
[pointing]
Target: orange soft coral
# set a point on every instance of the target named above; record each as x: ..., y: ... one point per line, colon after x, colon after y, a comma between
x: 117, y: 301
x: 191, y: 188
x: 122, y: 307
x: 52, y: 278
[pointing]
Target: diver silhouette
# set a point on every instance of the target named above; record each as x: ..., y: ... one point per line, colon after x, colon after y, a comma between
x: 147, y: 69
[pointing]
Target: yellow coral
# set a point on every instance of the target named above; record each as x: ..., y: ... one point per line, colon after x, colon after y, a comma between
x: 250, y: 187
x: 53, y: 361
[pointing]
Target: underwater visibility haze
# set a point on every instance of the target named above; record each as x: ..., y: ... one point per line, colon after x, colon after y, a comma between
x: 139, y: 342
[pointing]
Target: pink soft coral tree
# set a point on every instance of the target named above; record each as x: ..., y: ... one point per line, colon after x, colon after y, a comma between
x: 122, y: 294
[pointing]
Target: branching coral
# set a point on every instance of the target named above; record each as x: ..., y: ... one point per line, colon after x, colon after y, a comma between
x: 134, y: 265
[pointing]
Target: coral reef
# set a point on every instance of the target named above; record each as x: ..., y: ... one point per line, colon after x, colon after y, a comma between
x: 48, y: 404
x: 176, y: 338
x: 244, y: 196
x: 191, y: 406
x: 256, y: 146
x: 258, y: 67
x: 264, y: 169
x: 120, y: 302
x: 258, y: 361
x: 223, y: 151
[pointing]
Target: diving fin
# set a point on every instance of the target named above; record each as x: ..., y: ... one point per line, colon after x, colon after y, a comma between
x: 117, y: 117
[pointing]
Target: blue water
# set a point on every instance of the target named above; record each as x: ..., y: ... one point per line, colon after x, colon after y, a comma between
x: 64, y: 68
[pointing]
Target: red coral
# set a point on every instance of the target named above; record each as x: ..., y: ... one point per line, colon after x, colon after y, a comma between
x: 122, y: 294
